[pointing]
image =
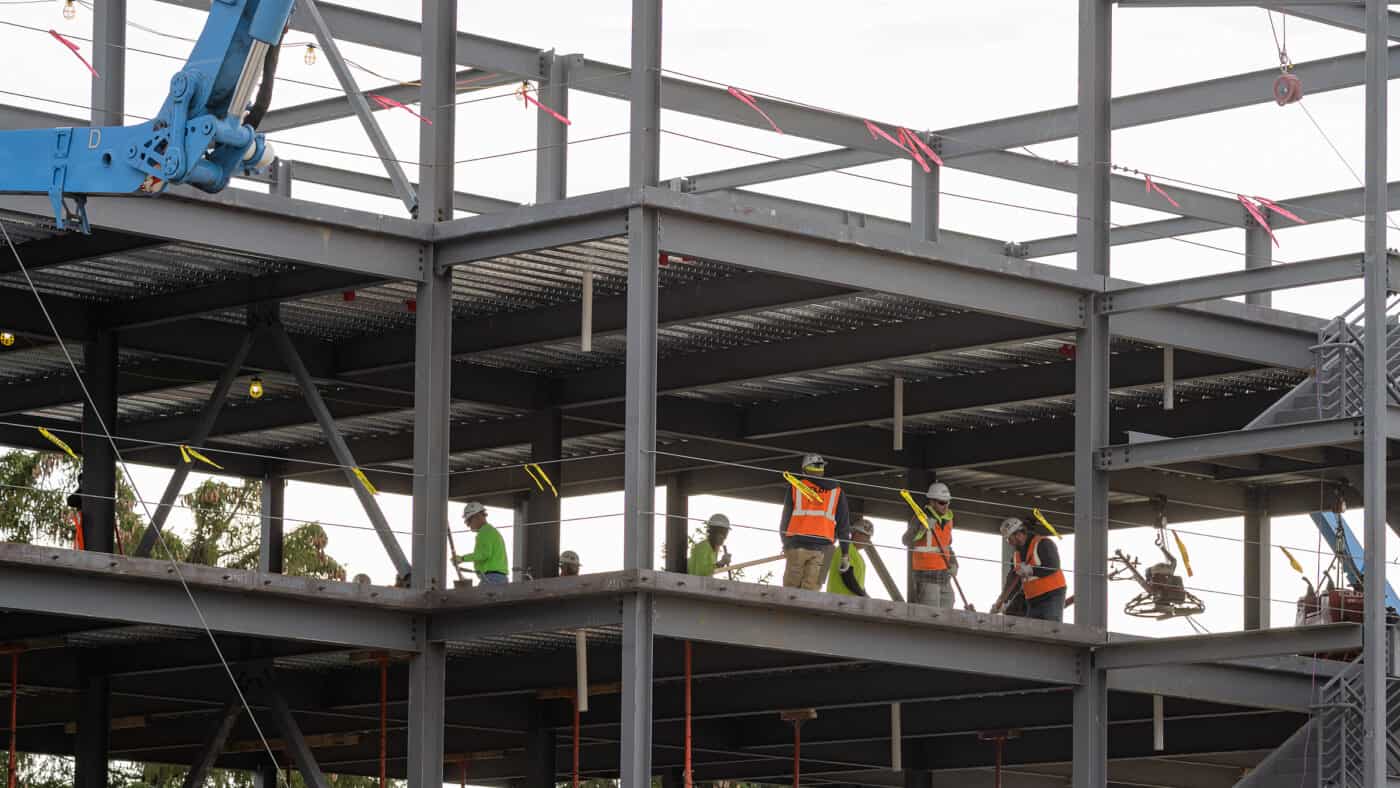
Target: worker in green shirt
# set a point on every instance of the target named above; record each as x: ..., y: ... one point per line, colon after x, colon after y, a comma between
x: 489, y: 557
x: 838, y: 582
x: 710, y: 554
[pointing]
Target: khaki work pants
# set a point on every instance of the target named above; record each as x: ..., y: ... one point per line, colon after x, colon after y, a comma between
x: 804, y: 568
x: 934, y: 589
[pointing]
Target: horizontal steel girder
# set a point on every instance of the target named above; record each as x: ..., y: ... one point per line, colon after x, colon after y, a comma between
x: 1215, y: 647
x: 1239, y: 443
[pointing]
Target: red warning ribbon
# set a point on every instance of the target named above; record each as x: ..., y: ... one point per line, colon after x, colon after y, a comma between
x: 1153, y: 187
x: 524, y: 93
x: 388, y: 103
x: 753, y: 105
x: 918, y: 142
x: 1258, y: 217
x: 907, y: 142
x: 74, y: 47
x: 1278, y: 209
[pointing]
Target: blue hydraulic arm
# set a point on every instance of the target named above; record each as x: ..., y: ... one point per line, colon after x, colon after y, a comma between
x: 203, y: 135
x: 1338, y: 535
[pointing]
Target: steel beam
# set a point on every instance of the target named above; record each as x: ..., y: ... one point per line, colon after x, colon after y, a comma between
x: 1264, y: 440
x: 1349, y: 17
x: 677, y: 523
x: 109, y: 63
x: 1091, y: 417
x: 552, y: 155
x: 213, y: 746
x: 1254, y: 280
x: 91, y: 747
x: 1258, y: 253
x: 75, y: 248
x: 384, y: 187
x: 1377, y: 418
x: 924, y: 196
x: 544, y: 506
x: 325, y: 110
x: 198, y: 438
x: 344, y: 457
x: 1146, y: 652
x: 99, y: 473
x: 293, y: 738
x: 1258, y: 544
x: 273, y: 517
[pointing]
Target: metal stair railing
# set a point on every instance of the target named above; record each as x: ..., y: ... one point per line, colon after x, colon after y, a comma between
x: 1340, y: 363
x: 1340, y: 729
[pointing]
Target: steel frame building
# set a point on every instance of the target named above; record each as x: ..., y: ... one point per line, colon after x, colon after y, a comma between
x: 703, y: 376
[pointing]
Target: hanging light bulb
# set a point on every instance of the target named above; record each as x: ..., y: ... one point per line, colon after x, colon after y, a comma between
x: 7, y: 339
x: 310, y: 56
x: 255, y: 388
x: 70, y: 11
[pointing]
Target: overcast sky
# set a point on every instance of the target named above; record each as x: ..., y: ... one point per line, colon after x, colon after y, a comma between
x: 924, y: 65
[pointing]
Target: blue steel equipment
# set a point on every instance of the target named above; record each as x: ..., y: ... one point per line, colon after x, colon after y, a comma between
x: 204, y: 134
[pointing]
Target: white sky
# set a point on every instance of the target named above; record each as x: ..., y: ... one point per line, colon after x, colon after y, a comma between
x: 929, y: 65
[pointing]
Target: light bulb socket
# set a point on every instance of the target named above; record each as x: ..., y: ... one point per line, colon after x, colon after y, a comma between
x: 7, y: 339
x: 255, y: 388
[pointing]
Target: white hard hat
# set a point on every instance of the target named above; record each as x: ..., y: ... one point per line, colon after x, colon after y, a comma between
x: 569, y: 557
x: 813, y: 461
x: 1010, y: 526
x: 717, y: 521
x: 472, y: 508
x: 938, y: 491
x: 863, y: 526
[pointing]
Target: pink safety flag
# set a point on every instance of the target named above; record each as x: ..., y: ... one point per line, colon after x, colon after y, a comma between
x: 524, y: 93
x: 917, y: 141
x: 909, y: 146
x: 1278, y: 209
x: 388, y: 103
x: 753, y: 105
x: 877, y: 133
x: 74, y: 47
x: 1153, y: 187
x: 1258, y: 217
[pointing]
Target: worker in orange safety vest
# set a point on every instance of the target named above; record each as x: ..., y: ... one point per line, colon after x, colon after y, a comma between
x: 1035, y: 574
x: 931, y: 551
x: 815, y: 519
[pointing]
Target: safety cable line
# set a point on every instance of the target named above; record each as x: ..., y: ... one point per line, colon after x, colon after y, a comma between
x: 116, y: 451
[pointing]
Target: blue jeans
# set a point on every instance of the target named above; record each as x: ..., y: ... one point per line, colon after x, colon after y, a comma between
x: 1047, y: 607
x: 494, y: 578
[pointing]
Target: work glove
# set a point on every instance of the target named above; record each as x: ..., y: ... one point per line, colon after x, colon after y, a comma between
x: 723, y: 559
x: 1026, y: 571
x: 953, y: 566
x: 845, y: 562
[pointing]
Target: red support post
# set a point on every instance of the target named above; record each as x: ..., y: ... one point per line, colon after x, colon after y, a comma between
x: 689, y: 780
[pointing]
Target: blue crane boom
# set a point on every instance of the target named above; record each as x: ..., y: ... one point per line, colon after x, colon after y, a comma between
x: 203, y: 135
x: 1339, y: 537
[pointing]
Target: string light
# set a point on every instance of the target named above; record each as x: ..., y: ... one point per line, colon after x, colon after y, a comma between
x: 255, y: 388
x: 7, y: 339
x: 70, y: 11
x: 310, y: 57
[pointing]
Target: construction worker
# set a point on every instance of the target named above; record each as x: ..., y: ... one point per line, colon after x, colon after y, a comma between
x: 710, y: 554
x: 488, y: 558
x: 815, y: 518
x: 1035, y: 574
x: 931, y: 557
x: 852, y: 581
x: 568, y: 564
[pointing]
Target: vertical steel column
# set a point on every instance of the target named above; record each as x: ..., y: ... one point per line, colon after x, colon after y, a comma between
x: 916, y: 480
x: 677, y: 523
x: 109, y: 60
x: 539, y: 748
x: 639, y: 505
x: 1091, y: 388
x: 543, y: 507
x: 94, y: 725
x: 923, y: 214
x: 1374, y: 410
x: 552, y: 157
x: 1258, y: 253
x: 274, y: 505
x: 1257, y: 541
x: 427, y: 672
x: 282, y: 179
x: 265, y: 776
x: 99, y: 460
x: 519, y: 540
x: 918, y: 778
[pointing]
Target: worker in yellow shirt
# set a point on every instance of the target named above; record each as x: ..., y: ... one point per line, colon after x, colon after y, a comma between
x: 852, y: 581
x: 711, y: 554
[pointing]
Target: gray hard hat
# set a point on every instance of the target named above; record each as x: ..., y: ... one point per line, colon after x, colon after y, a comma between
x: 717, y: 521
x: 569, y: 557
x: 1010, y: 526
x: 863, y: 526
x: 938, y: 491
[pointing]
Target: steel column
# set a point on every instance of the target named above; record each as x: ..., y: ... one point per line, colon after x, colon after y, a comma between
x: 1376, y: 377
x: 539, y: 748
x: 552, y: 157
x: 1257, y: 543
x: 282, y: 179
x: 212, y: 407
x: 519, y: 541
x: 342, y: 452
x: 677, y: 523
x: 1258, y: 253
x: 213, y: 746
x: 94, y: 725
x: 346, y: 77
x: 427, y: 672
x: 99, y: 475
x: 274, y: 505
x: 923, y: 214
x: 543, y: 508
x: 639, y: 501
x: 916, y: 480
x: 1090, y: 738
x: 109, y: 61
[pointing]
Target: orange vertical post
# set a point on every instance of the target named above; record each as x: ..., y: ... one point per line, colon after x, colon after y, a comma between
x: 383, y: 721
x: 689, y: 779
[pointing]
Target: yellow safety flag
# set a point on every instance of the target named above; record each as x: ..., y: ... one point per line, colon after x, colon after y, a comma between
x: 1297, y: 567
x: 1185, y: 556
x: 918, y: 510
x: 359, y: 474
x: 540, y: 478
x: 57, y: 441
x: 1040, y: 518
x: 187, y: 453
x: 802, y: 488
